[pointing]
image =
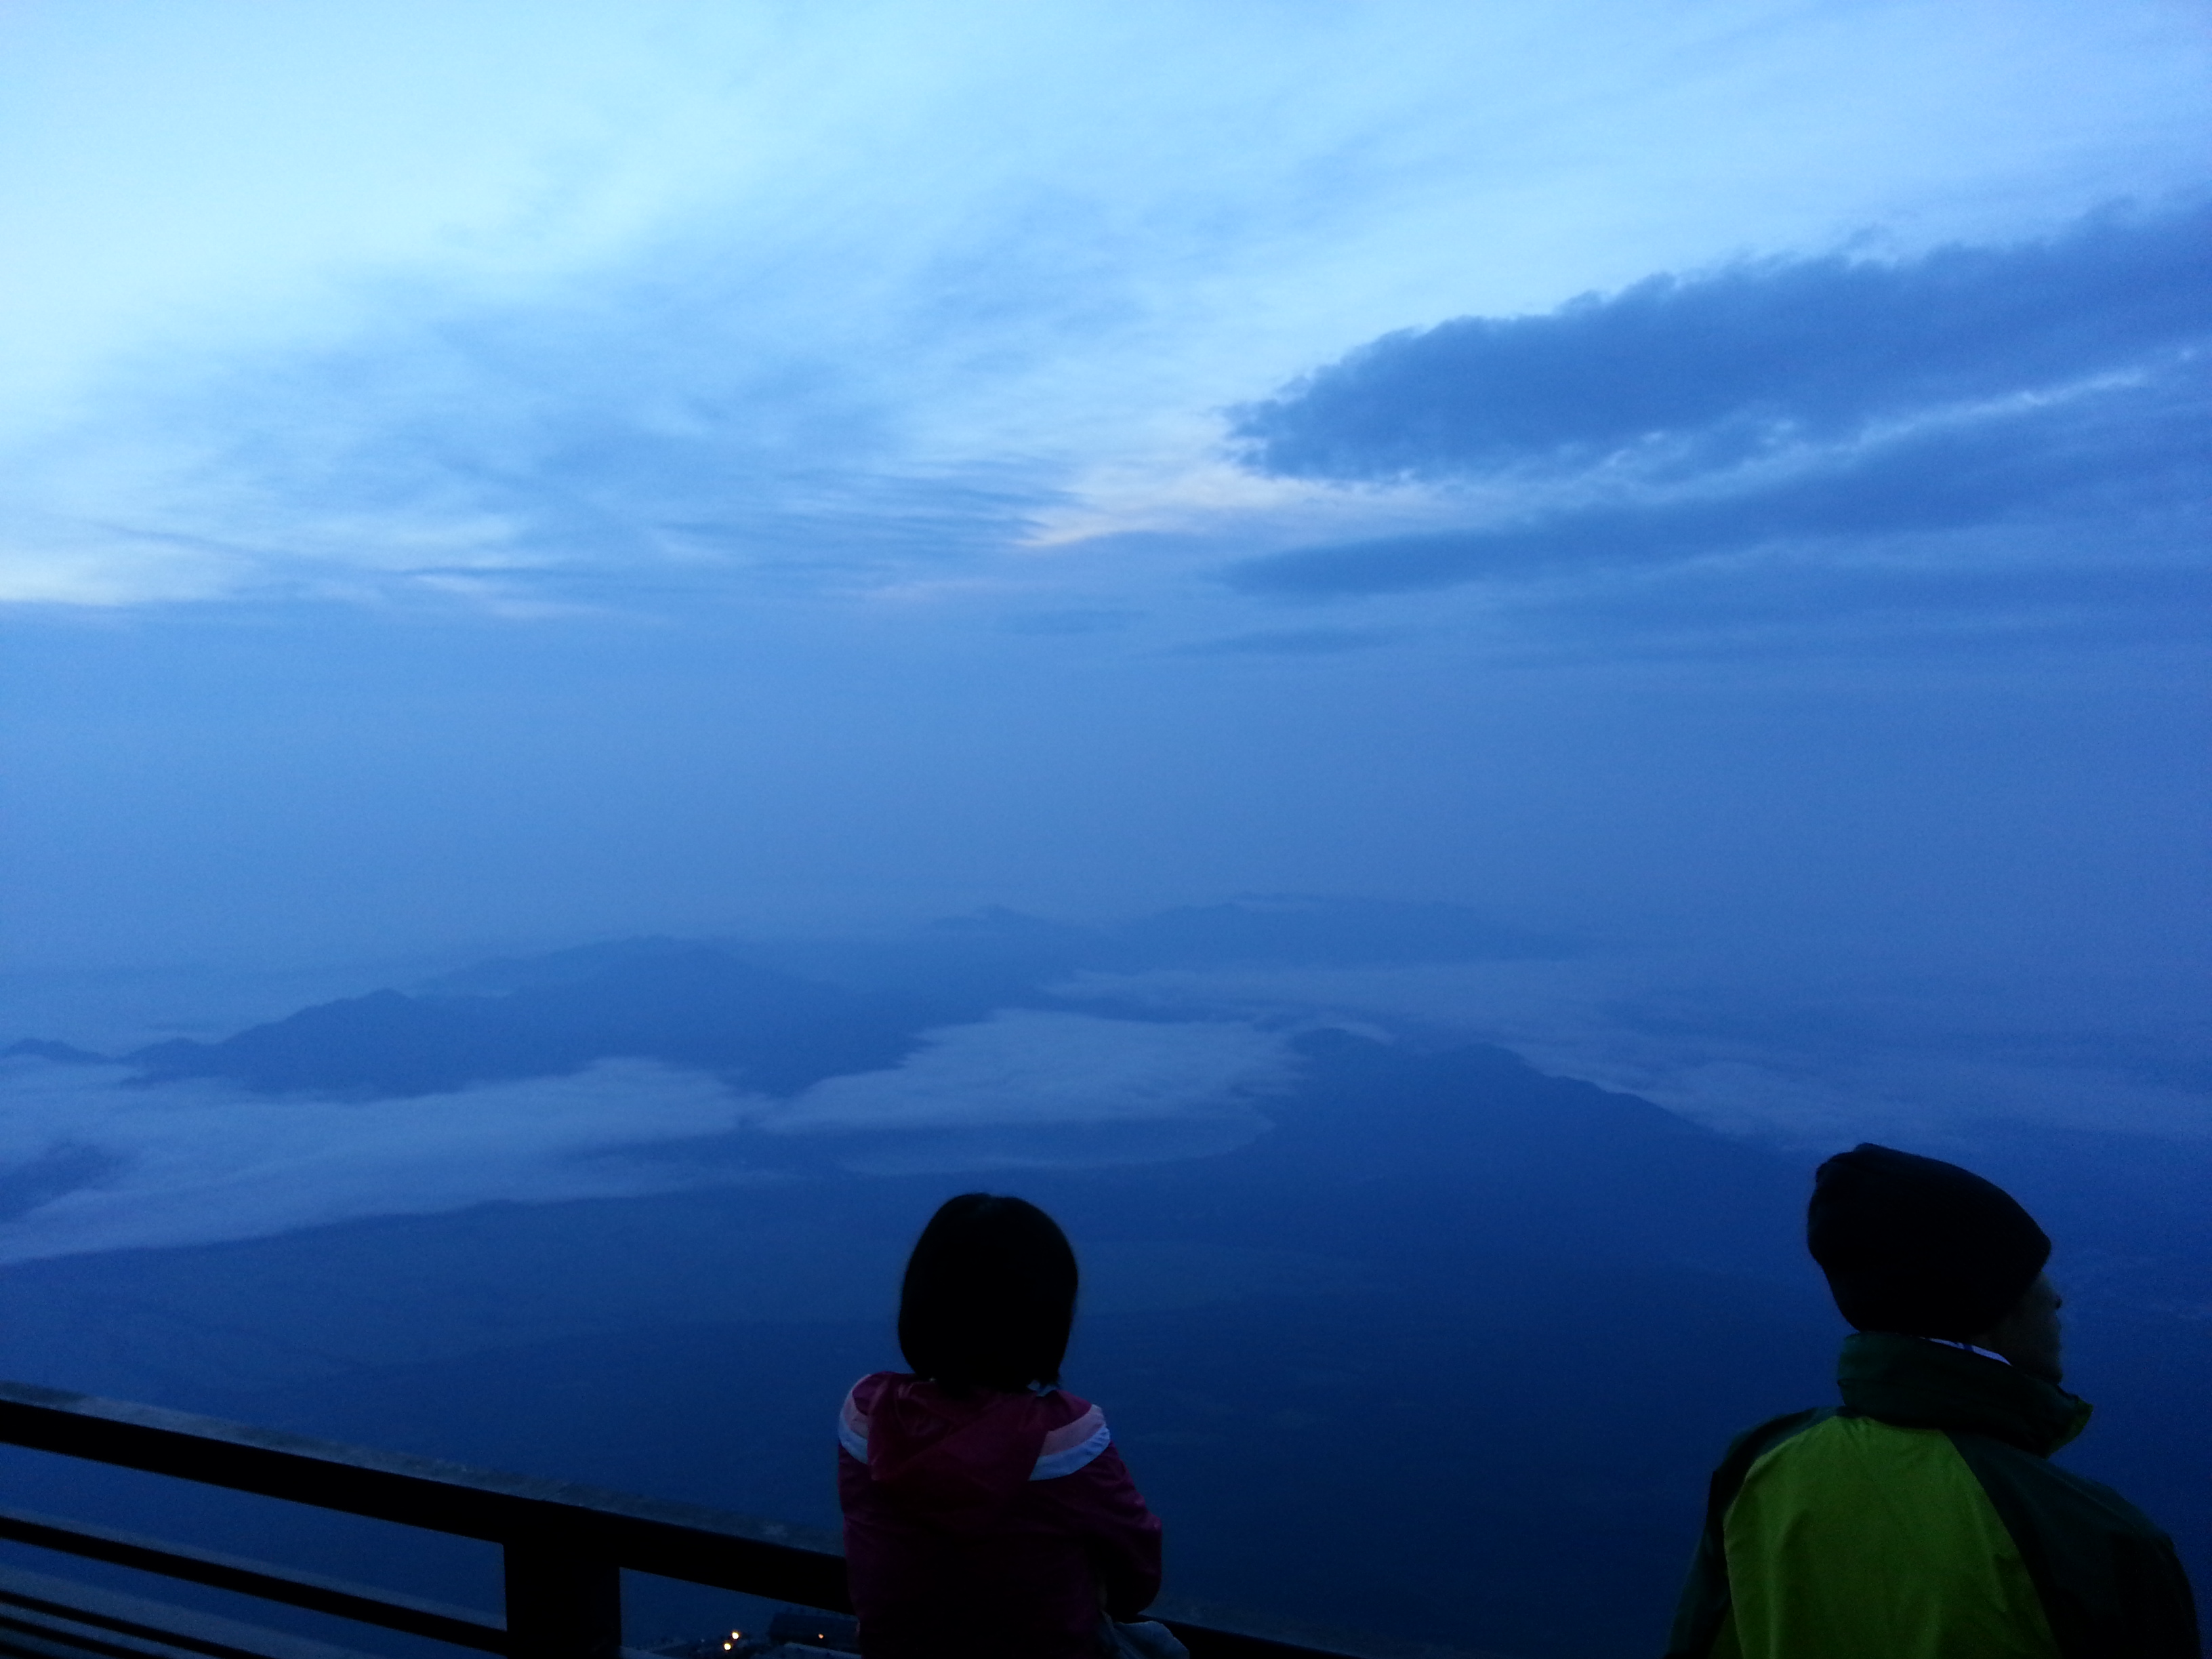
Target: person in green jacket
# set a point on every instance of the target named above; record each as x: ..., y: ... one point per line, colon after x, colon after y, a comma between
x: 1922, y: 1519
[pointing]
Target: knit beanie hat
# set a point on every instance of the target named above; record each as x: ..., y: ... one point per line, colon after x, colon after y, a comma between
x: 1919, y: 1246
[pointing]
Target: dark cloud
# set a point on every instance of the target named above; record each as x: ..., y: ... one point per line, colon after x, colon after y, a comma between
x: 2129, y: 454
x: 2010, y: 412
x: 1816, y: 348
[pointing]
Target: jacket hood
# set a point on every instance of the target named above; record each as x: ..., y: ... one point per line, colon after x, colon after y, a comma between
x: 1919, y: 1384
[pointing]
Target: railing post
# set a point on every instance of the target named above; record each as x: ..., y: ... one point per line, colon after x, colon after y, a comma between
x: 561, y: 1605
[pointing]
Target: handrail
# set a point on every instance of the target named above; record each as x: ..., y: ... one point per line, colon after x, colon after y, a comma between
x: 388, y: 1608
x: 565, y: 1544
x: 675, y: 1540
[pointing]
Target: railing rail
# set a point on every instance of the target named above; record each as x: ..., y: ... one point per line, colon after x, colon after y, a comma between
x: 564, y: 1546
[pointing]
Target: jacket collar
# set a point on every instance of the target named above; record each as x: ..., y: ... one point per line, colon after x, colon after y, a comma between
x: 1925, y: 1385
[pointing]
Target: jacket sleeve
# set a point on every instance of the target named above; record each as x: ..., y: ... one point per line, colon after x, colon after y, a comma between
x: 1120, y: 1536
x: 1703, y: 1613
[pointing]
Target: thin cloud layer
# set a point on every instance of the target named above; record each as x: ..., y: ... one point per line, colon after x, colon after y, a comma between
x: 2130, y: 452
x: 2055, y: 386
x: 192, y: 1163
x: 90, y: 1160
x: 1026, y: 1068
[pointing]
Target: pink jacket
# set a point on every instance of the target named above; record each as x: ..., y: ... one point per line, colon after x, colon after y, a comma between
x: 988, y: 1525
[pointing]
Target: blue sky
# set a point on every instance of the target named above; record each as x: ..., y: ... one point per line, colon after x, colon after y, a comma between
x: 1719, y: 475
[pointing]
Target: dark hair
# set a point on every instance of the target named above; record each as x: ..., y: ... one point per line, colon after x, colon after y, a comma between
x: 989, y: 1296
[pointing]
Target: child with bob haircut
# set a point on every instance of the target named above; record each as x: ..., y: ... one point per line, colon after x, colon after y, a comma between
x: 987, y: 1513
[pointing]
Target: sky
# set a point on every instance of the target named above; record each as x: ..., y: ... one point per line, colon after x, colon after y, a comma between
x: 1725, y: 478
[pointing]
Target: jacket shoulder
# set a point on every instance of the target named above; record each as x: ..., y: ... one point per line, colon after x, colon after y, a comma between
x: 2108, y: 1577
x: 858, y: 1407
x: 1076, y: 1436
x: 1703, y: 1612
x: 865, y: 1394
x: 1753, y: 1443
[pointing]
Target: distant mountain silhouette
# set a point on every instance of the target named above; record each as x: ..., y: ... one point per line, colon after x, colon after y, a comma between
x: 776, y: 1016
x: 688, y: 1004
x: 1425, y: 1156
x: 61, y: 1054
x: 62, y: 1168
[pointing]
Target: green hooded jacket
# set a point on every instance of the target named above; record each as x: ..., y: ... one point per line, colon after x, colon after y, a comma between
x: 1923, y: 1520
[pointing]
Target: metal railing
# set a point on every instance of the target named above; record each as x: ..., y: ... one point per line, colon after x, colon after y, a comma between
x: 564, y: 1548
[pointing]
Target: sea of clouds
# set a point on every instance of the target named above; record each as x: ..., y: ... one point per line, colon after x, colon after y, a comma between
x: 90, y: 1160
x: 1800, y: 1064
x: 1131, y: 1067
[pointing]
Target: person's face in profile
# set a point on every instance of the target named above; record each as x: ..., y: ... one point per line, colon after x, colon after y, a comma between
x: 2029, y: 1335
